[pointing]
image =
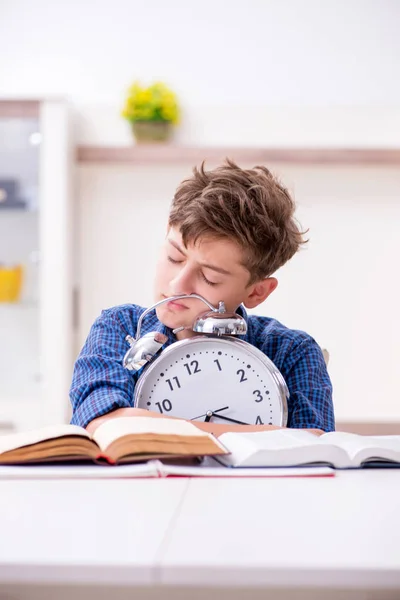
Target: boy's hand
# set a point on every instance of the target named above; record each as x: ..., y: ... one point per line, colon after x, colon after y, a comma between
x: 122, y: 412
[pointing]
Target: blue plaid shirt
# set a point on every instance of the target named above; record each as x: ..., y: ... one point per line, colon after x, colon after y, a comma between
x: 101, y: 384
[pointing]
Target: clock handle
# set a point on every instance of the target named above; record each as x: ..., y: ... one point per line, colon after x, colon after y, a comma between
x: 220, y: 309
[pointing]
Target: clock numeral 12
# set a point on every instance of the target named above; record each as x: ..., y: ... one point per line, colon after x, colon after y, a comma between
x: 218, y: 365
x: 171, y: 385
x: 165, y: 404
x: 195, y: 364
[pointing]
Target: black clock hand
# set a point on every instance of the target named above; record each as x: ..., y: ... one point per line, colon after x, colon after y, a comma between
x: 231, y: 420
x: 210, y: 411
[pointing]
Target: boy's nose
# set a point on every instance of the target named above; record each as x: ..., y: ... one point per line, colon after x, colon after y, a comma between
x: 183, y: 284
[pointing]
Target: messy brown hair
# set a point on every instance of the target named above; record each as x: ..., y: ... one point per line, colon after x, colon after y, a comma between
x: 248, y: 206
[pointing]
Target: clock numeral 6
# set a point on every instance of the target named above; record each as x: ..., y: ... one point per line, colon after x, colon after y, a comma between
x: 195, y: 366
x: 165, y: 404
x: 259, y: 395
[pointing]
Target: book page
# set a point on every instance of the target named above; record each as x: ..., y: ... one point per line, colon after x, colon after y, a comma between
x: 113, y: 429
x: 11, y: 441
x: 362, y: 447
x: 153, y: 468
x: 275, y: 447
x: 214, y: 469
x: 79, y: 471
x: 283, y: 438
x: 275, y: 439
x: 280, y: 447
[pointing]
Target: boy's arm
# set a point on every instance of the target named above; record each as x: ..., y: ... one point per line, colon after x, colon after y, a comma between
x: 100, y: 384
x: 218, y: 428
x: 215, y: 428
x: 310, y: 403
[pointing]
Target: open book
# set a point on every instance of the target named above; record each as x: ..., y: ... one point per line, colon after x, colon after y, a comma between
x: 128, y: 440
x: 150, y: 469
x: 293, y: 447
x: 119, y: 440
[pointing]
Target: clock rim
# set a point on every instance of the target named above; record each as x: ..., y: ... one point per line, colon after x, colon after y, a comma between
x: 272, y: 368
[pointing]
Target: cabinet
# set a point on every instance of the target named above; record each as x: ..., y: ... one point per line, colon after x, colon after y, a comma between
x: 36, y: 328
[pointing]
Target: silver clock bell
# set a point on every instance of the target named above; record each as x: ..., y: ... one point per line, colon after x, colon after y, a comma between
x: 213, y: 375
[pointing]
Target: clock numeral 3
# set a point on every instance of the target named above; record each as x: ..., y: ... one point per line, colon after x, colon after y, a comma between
x: 242, y: 377
x: 171, y: 383
x: 259, y: 421
x: 195, y: 364
x: 259, y: 395
x: 165, y: 404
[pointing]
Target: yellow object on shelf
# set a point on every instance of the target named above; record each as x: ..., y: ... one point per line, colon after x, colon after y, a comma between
x: 10, y: 283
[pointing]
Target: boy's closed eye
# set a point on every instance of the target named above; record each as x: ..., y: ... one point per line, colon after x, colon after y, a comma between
x: 174, y: 261
x: 207, y: 281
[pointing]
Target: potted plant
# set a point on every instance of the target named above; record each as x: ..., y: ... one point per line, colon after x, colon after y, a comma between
x: 151, y: 111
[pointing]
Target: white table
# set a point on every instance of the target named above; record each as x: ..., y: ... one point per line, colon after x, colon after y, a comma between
x: 258, y: 538
x: 93, y: 532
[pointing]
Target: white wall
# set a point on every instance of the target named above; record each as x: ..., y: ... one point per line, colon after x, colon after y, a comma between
x: 235, y: 57
x: 343, y: 289
x: 214, y: 52
x: 272, y: 72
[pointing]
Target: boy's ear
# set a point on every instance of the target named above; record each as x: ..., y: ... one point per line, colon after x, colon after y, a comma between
x: 259, y: 291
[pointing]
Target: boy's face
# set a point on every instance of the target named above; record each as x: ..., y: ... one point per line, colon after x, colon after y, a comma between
x: 211, y: 268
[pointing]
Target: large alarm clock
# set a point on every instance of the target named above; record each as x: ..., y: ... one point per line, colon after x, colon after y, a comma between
x: 213, y: 376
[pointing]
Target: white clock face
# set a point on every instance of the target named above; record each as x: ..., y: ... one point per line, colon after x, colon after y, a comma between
x: 229, y: 378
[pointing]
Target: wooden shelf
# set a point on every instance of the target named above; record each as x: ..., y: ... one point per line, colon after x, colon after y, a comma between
x: 22, y: 109
x: 147, y: 154
x: 369, y: 427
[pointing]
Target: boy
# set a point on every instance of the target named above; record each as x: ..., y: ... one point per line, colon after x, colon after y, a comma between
x: 229, y: 230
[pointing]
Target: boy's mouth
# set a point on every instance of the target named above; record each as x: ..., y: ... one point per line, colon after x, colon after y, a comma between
x: 175, y: 304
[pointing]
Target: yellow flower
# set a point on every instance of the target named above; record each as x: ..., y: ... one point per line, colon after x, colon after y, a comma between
x: 153, y: 103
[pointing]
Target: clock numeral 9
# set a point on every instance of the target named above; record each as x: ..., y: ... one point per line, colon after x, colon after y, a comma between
x: 165, y: 404
x: 259, y: 395
x: 241, y: 373
x: 195, y: 364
